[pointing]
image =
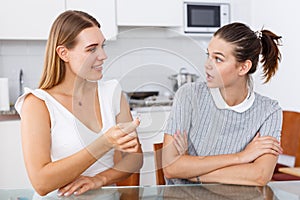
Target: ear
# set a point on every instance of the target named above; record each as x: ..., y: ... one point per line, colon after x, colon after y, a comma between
x: 245, y: 67
x: 62, y: 52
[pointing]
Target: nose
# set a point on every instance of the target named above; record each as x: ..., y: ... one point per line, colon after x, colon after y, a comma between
x: 101, y: 54
x: 209, y: 63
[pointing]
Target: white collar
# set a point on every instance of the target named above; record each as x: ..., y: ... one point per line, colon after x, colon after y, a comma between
x: 221, y: 104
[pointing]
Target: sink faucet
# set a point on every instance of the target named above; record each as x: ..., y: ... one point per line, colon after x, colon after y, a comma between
x: 21, y: 83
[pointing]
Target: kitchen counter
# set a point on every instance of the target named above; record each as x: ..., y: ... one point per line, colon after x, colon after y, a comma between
x: 12, y: 114
x: 281, y: 190
x: 8, y: 117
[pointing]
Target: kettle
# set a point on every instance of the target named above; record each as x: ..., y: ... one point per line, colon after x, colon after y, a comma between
x: 181, y: 78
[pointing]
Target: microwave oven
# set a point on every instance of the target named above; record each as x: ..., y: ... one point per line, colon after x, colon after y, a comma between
x: 205, y: 17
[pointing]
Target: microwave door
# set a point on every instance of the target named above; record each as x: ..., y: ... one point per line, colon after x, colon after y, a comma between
x: 202, y: 18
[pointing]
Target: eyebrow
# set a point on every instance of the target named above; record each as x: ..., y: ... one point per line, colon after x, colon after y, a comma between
x: 91, y: 45
x: 218, y: 53
x: 94, y: 44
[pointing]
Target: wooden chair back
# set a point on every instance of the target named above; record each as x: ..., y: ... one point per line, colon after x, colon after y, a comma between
x: 290, y: 135
x: 160, y: 178
x: 132, y: 180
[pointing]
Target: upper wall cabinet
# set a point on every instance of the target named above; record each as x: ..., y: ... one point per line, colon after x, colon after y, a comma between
x: 166, y: 13
x: 30, y: 19
x: 103, y: 11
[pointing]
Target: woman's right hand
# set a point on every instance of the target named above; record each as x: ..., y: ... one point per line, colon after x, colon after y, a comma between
x: 258, y: 147
x: 123, y: 136
x: 181, y: 143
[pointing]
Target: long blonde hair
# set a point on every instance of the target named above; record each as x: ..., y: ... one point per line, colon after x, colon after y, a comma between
x: 64, y: 31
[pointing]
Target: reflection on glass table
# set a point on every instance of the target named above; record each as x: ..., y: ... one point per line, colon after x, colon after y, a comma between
x: 273, y: 191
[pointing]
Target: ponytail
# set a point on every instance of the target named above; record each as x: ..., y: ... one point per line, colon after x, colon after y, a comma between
x: 271, y: 55
x: 249, y: 45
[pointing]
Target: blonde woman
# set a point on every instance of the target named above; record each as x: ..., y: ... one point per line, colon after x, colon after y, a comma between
x: 74, y: 125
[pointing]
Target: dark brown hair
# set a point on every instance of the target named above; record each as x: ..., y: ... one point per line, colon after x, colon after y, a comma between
x: 64, y: 31
x: 249, y: 45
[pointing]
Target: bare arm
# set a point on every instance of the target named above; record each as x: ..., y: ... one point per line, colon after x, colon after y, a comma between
x: 44, y: 174
x: 258, y: 172
x: 125, y: 163
x: 186, y: 166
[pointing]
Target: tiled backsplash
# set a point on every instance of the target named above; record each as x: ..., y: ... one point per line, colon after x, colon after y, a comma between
x: 16, y: 55
x: 140, y: 60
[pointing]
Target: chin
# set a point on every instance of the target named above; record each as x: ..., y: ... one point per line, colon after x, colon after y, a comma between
x: 212, y: 85
x: 94, y: 79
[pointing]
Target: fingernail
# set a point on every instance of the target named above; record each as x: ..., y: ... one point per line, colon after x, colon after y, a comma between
x: 66, y: 194
x: 75, y: 193
x: 59, y: 194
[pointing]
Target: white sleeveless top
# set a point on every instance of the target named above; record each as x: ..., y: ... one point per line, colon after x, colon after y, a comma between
x: 68, y: 134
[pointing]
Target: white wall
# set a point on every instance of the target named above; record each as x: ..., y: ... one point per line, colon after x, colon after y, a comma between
x: 281, y: 17
x: 20, y: 54
x: 139, y: 58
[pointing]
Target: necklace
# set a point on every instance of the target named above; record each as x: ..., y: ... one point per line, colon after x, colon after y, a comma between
x: 78, y: 100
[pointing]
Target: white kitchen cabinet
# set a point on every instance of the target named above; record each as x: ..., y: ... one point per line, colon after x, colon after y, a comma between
x: 13, y: 173
x: 30, y: 19
x: 166, y: 13
x: 103, y: 11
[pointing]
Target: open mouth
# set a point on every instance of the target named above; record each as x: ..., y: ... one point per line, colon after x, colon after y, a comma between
x: 208, y: 76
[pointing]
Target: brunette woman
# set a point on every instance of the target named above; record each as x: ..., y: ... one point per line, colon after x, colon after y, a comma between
x: 221, y: 130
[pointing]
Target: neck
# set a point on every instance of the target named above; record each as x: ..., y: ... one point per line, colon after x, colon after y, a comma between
x: 76, y: 87
x: 234, y: 95
x: 82, y: 86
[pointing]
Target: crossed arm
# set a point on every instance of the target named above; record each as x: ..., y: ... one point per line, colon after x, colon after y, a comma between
x: 252, y: 166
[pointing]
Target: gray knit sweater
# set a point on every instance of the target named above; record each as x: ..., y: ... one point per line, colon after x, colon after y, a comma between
x: 213, y: 131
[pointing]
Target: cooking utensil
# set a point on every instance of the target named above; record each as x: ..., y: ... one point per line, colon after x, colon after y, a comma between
x: 181, y: 78
x: 141, y: 95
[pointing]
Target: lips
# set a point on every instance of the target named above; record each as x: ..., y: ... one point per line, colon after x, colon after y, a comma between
x: 208, y: 76
x: 98, y: 68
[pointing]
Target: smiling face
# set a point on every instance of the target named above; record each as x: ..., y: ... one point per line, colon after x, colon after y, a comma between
x: 86, y: 58
x: 222, y: 69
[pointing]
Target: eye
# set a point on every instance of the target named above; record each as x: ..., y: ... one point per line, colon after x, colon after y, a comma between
x: 93, y: 49
x: 218, y: 60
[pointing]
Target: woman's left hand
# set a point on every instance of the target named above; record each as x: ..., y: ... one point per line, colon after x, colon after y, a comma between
x: 81, y: 185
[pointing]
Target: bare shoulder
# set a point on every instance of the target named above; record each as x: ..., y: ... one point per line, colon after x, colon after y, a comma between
x: 125, y: 114
x: 34, y: 108
x: 31, y: 101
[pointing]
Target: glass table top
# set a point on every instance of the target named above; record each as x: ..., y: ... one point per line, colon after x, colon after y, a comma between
x: 273, y: 191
